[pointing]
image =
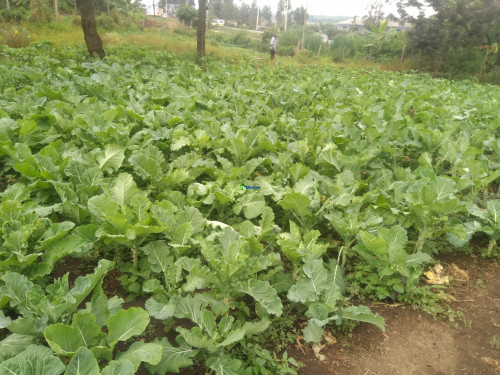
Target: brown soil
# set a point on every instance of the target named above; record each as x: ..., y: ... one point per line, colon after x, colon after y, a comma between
x: 416, y: 343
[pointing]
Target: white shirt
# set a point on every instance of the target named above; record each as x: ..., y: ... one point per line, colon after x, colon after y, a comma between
x: 273, y: 43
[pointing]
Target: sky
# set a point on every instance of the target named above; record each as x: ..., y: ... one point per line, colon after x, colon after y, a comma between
x: 329, y: 7
x: 348, y: 8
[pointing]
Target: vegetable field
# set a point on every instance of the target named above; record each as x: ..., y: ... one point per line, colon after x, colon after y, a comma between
x: 226, y: 197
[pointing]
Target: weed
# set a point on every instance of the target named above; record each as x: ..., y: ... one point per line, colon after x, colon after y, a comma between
x: 434, y: 302
x: 495, y: 343
x: 283, y: 330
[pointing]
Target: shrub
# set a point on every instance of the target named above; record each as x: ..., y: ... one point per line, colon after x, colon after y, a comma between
x: 14, y: 38
x: 15, y: 14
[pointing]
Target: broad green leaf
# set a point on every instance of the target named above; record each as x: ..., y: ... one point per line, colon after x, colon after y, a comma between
x: 83, y: 363
x: 363, y: 314
x: 159, y: 310
x: 142, y: 352
x: 254, y: 328
x: 159, y: 256
x: 34, y: 360
x: 173, y: 357
x: 16, y: 192
x: 312, y: 332
x: 111, y: 159
x: 14, y: 344
x: 182, y: 234
x: 443, y: 187
x: 298, y: 203
x: 494, y: 209
x: 126, y: 323
x: 376, y: 245
x: 15, y: 287
x: 85, y: 284
x: 224, y: 365
x: 63, y: 339
x: 265, y: 294
x: 122, y: 367
x: 102, y: 206
x: 148, y: 163
x: 88, y: 330
x: 251, y: 204
x: 123, y: 189
x: 232, y: 337
x: 64, y: 246
x: 317, y: 274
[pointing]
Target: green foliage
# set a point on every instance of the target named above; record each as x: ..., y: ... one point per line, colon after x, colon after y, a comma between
x: 187, y: 15
x: 140, y: 158
x: 15, y: 37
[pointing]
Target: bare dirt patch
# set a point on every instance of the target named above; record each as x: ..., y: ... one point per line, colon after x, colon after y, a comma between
x: 416, y: 343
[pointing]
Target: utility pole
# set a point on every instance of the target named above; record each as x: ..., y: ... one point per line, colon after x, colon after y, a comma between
x: 286, y: 14
x: 257, y: 23
x: 154, y: 9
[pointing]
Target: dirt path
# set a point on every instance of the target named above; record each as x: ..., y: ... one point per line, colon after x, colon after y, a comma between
x: 417, y: 344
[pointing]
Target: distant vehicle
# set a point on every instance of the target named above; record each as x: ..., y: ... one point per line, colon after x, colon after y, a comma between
x: 218, y: 22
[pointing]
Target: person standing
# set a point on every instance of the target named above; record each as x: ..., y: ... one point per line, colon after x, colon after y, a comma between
x: 274, y: 43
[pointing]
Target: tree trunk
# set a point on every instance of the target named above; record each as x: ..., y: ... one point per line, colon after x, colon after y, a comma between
x: 89, y: 26
x: 8, y: 5
x: 202, y: 26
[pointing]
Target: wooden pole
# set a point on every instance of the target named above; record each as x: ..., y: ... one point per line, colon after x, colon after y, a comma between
x: 286, y: 14
x: 304, y: 26
x: 343, y: 50
x: 8, y: 5
x: 403, y: 53
x: 257, y: 23
x: 56, y: 11
x: 319, y: 51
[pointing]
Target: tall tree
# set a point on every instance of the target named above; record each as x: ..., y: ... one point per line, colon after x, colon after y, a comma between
x: 229, y: 10
x: 252, y: 17
x: 89, y: 26
x: 244, y: 14
x: 266, y: 14
x: 280, y: 12
x: 375, y: 14
x: 216, y: 6
x: 202, y: 27
x: 298, y: 15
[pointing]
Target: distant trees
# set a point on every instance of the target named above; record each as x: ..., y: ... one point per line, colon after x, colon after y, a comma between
x: 298, y: 16
x: 266, y: 14
x: 462, y: 35
x: 187, y: 15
